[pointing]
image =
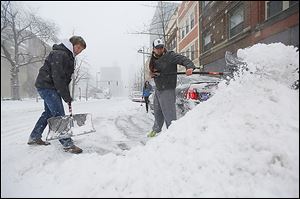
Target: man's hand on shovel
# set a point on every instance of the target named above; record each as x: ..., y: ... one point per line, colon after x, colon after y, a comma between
x: 189, y: 72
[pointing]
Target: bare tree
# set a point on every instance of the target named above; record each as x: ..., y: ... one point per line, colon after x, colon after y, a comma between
x: 18, y: 28
x: 158, y: 27
x: 160, y: 21
x: 80, y: 73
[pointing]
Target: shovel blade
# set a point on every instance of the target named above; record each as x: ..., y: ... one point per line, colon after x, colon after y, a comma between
x: 68, y: 126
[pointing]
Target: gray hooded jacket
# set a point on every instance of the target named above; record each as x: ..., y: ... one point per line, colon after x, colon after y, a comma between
x: 166, y: 65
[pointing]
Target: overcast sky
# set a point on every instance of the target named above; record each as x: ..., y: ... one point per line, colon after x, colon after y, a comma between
x: 105, y: 27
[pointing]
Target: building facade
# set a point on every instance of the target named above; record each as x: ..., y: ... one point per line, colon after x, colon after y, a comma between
x: 188, y: 30
x: 110, y: 78
x: 27, y: 74
x: 231, y: 25
x: 162, y: 15
x: 172, y: 32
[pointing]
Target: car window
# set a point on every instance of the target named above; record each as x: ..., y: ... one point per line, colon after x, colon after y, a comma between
x: 196, y: 78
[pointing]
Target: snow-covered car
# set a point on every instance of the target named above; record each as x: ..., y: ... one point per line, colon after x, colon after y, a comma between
x: 193, y: 90
x: 102, y: 94
x: 190, y: 91
x: 137, y: 96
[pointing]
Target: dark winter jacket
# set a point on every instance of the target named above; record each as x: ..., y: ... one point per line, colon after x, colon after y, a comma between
x: 166, y: 65
x: 57, y: 71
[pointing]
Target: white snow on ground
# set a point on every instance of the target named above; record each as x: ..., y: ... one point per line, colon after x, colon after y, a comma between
x: 243, y: 142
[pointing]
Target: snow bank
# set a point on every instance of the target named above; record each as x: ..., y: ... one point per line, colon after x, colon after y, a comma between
x: 275, y: 61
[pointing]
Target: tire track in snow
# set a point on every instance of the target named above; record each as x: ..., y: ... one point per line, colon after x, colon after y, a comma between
x: 132, y: 131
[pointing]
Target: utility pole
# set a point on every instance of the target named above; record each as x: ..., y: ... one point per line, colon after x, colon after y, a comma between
x: 142, y: 51
x: 144, y: 62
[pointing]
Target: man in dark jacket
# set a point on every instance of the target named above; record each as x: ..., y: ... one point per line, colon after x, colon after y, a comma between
x: 52, y: 84
x: 163, y: 68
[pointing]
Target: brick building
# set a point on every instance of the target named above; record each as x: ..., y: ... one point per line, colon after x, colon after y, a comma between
x: 188, y: 30
x: 172, y: 32
x: 231, y: 25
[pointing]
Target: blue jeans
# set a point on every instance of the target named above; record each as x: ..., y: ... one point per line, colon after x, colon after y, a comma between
x: 53, y: 107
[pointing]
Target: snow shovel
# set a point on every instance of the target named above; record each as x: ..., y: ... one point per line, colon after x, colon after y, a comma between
x: 67, y: 126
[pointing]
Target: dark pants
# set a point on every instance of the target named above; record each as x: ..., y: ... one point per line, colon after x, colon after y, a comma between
x: 53, y: 107
x: 147, y: 103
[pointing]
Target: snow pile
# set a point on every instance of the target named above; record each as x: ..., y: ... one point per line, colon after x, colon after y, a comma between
x: 277, y: 62
x: 246, y: 138
x: 243, y: 142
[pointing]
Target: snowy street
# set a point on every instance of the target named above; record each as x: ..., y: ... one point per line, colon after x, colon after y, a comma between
x: 119, y: 123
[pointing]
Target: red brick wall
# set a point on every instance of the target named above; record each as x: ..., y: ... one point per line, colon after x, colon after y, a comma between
x: 183, y: 9
x: 189, y: 38
x: 276, y: 28
x: 254, y: 18
x: 192, y: 35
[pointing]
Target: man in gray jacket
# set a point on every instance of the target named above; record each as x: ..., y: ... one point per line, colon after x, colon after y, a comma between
x: 163, y: 68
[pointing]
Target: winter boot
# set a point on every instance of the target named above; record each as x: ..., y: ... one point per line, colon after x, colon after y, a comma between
x: 73, y: 149
x: 38, y: 141
x: 152, y: 134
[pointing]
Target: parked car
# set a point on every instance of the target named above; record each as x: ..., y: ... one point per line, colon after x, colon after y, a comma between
x: 137, y: 96
x: 190, y: 91
x: 102, y: 94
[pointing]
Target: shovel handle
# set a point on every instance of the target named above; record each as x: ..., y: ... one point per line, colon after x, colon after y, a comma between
x: 194, y: 72
x: 70, y: 108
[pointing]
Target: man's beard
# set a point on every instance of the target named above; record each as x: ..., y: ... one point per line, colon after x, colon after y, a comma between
x: 157, y: 56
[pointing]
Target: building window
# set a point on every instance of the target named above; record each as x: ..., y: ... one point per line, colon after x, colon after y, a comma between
x: 236, y: 21
x: 173, y: 44
x: 187, y: 26
x: 192, y: 52
x: 207, y: 44
x: 192, y: 19
x: 275, y: 7
x: 204, y: 4
x: 292, y: 3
